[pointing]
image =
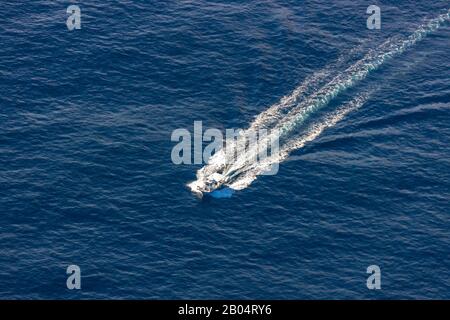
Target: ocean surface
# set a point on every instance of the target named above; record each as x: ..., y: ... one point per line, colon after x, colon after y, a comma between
x: 86, y: 175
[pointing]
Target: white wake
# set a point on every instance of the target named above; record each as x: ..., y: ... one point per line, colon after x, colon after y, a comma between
x: 292, y: 111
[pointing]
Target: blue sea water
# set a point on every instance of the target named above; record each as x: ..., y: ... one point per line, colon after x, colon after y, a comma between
x: 86, y: 175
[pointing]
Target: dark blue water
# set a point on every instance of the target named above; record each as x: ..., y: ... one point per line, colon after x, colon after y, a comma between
x: 86, y: 176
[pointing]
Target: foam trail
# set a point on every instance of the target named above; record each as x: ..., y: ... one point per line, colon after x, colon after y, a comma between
x: 358, y: 72
x: 275, y: 112
x: 310, y: 85
x: 292, y: 112
x: 311, y: 133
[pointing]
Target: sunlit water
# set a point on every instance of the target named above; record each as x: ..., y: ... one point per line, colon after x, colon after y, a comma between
x: 86, y: 175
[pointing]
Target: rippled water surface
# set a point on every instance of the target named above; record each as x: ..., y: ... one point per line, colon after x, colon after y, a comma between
x: 86, y: 175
